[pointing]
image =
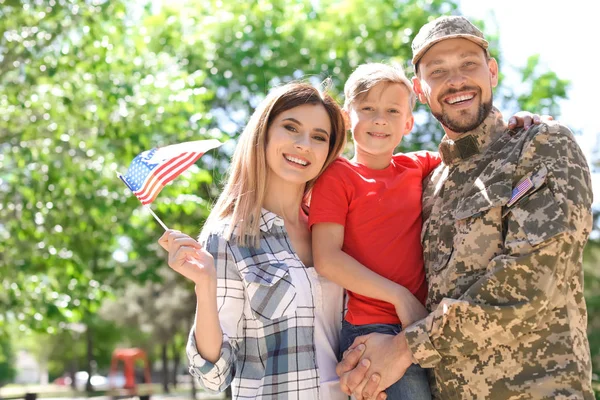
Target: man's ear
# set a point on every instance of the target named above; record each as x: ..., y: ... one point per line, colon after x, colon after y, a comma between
x: 418, y: 89
x: 493, y: 67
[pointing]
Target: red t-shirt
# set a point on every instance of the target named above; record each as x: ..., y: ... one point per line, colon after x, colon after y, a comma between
x: 381, y: 214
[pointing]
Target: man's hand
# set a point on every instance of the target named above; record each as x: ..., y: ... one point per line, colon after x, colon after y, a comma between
x: 355, y: 371
x: 383, y: 362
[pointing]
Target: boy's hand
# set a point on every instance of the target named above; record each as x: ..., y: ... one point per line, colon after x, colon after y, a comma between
x: 525, y: 119
x: 408, y: 308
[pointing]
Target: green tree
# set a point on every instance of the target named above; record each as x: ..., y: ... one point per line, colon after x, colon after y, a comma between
x: 7, y: 360
x: 75, y: 109
x: 65, y: 351
x: 81, y: 95
x: 246, y: 48
x: 163, y: 311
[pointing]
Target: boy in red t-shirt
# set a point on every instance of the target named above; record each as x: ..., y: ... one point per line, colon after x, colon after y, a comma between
x: 365, y: 216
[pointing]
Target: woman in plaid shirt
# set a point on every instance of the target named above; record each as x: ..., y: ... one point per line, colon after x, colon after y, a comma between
x: 266, y: 323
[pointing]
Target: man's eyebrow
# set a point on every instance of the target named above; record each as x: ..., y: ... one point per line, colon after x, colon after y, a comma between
x: 441, y: 60
x: 469, y: 53
x: 436, y: 61
x: 294, y: 120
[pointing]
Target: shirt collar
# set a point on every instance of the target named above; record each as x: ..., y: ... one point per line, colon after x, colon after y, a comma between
x: 268, y: 219
x: 475, y: 141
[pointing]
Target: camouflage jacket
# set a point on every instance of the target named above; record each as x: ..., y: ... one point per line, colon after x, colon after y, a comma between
x: 506, y: 218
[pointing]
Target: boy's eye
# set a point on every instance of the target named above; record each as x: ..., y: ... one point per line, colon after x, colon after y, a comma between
x: 393, y: 110
x: 367, y: 108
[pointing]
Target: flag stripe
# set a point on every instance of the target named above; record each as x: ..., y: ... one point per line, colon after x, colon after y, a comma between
x: 150, y: 178
x: 158, y: 178
x: 157, y: 188
x: 167, y: 176
x: 149, y: 198
x: 520, y: 191
x: 156, y: 175
x: 179, y: 170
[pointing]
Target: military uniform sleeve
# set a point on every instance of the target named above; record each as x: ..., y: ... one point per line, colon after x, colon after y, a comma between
x: 230, y: 301
x: 545, y: 232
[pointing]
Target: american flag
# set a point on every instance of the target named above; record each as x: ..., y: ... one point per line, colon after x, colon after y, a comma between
x: 519, y: 191
x: 151, y: 170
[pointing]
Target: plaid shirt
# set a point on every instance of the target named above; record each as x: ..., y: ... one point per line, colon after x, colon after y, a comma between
x: 267, y: 314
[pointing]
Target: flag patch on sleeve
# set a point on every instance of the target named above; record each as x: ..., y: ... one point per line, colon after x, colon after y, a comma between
x: 519, y: 191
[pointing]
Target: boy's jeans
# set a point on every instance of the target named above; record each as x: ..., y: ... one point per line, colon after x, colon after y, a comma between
x: 414, y: 385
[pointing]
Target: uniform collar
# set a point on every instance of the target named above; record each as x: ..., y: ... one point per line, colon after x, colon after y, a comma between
x: 474, y: 142
x: 268, y: 219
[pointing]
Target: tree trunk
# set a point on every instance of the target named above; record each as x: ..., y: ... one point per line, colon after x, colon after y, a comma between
x: 176, y: 359
x: 165, y: 371
x: 72, y: 370
x: 150, y: 351
x: 193, y: 388
x: 89, y: 333
x: 90, y: 357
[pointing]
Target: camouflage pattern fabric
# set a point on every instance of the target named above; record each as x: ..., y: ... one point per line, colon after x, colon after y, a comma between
x: 442, y: 28
x: 508, y: 317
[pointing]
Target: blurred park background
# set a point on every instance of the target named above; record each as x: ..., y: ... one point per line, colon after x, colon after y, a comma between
x: 85, y: 85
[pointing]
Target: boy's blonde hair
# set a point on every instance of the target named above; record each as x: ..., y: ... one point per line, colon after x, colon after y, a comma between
x: 244, y: 193
x: 366, y: 76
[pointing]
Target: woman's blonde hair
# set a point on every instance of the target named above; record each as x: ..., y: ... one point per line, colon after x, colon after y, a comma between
x: 244, y: 192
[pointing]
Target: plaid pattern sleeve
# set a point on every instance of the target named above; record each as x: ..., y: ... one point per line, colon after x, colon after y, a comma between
x: 230, y: 293
x: 267, y: 314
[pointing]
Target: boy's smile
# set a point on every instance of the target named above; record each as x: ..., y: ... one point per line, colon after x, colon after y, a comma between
x: 378, y: 134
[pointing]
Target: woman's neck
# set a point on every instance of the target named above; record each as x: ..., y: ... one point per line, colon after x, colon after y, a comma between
x: 284, y: 199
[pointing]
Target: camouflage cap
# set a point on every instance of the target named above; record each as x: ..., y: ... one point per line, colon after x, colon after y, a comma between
x: 442, y: 28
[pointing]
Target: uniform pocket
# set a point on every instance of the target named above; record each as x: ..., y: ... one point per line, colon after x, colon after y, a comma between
x: 441, y: 256
x: 270, y: 290
x: 536, y: 210
x: 540, y: 216
x: 478, y: 229
x: 494, y: 195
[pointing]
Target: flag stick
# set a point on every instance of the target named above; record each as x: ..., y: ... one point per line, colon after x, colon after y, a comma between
x: 121, y: 177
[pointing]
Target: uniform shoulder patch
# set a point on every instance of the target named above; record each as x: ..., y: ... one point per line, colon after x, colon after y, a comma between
x: 519, y: 191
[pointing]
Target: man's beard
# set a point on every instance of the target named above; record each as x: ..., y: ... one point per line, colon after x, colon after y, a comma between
x: 461, y: 126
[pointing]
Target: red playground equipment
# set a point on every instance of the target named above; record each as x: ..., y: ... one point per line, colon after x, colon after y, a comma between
x: 129, y: 358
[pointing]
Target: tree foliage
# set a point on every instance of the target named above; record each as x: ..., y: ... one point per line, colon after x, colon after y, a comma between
x: 7, y: 360
x: 76, y: 107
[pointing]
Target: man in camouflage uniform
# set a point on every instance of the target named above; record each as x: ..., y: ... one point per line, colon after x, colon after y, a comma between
x: 507, y: 215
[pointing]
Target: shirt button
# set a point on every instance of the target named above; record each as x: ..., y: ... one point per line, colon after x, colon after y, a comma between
x: 278, y: 221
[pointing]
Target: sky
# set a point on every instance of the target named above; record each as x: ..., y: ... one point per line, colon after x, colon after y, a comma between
x: 564, y: 34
